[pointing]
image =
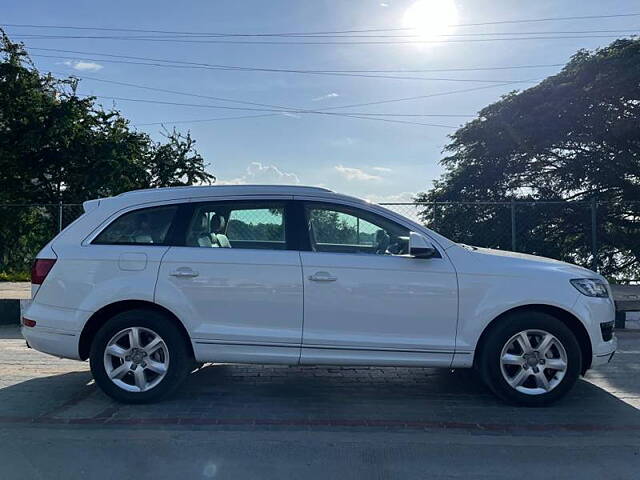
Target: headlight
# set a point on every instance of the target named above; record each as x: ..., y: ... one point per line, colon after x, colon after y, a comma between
x: 591, y: 287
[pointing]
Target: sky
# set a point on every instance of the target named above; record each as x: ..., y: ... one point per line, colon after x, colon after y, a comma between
x: 370, y: 157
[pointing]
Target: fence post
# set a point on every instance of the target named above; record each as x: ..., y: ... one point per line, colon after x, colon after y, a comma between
x: 59, y: 216
x: 435, y: 216
x: 513, y: 225
x: 594, y: 236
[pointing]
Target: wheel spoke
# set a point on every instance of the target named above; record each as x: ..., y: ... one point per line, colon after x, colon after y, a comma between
x: 519, y: 378
x: 511, y: 359
x: 545, y: 344
x: 116, y: 351
x: 523, y: 341
x: 153, y: 345
x: 556, y: 364
x: 120, y: 371
x: 141, y: 381
x: 156, y: 367
x: 541, y: 380
x: 134, y: 337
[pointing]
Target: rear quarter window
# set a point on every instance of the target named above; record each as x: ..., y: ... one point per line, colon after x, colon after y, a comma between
x: 147, y: 226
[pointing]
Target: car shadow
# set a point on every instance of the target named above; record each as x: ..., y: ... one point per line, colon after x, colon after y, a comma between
x: 385, y: 394
x: 224, y: 393
x: 283, y: 395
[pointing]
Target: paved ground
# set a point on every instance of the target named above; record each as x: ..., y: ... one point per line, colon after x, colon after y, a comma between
x: 15, y: 290
x: 240, y: 422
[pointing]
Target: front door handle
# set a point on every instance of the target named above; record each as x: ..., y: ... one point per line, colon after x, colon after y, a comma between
x: 322, y: 277
x: 184, y: 272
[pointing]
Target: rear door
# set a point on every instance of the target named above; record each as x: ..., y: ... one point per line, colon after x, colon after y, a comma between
x: 120, y: 261
x: 235, y: 278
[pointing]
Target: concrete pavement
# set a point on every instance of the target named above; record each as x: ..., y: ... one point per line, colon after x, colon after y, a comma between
x: 233, y: 421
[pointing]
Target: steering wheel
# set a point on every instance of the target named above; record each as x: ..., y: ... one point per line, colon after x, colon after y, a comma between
x: 382, y: 242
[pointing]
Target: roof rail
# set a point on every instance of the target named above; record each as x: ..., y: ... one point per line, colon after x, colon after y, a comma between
x: 228, y: 187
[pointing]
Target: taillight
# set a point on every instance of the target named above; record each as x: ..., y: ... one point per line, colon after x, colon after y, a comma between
x: 40, y: 269
x: 28, y: 322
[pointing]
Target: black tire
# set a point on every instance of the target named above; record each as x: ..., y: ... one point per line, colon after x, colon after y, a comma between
x: 180, y: 358
x: 489, y: 364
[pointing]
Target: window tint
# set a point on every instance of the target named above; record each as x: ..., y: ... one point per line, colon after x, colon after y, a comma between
x: 343, y: 230
x: 260, y: 224
x: 238, y: 225
x: 148, y: 226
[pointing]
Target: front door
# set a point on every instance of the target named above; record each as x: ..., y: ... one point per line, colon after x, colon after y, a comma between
x: 236, y: 283
x: 366, y: 301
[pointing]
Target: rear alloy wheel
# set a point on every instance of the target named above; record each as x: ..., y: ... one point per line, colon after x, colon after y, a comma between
x: 136, y: 359
x: 530, y: 358
x: 139, y: 356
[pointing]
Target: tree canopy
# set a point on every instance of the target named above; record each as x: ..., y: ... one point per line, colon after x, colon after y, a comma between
x: 574, y: 137
x: 56, y: 145
x: 59, y: 146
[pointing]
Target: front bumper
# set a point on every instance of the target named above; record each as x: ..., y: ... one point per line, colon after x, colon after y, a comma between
x: 605, y: 352
x: 597, y: 314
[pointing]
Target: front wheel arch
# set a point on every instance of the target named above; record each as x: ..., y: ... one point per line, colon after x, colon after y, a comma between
x: 98, y: 319
x: 570, y: 320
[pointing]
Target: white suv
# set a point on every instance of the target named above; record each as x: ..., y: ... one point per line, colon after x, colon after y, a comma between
x: 149, y: 283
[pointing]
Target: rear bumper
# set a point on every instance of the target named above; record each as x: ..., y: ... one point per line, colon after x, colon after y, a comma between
x: 51, y: 341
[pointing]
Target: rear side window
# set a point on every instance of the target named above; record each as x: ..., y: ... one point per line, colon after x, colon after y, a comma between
x: 254, y: 225
x: 148, y: 226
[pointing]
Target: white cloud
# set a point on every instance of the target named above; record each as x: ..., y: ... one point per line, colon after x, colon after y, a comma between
x: 259, y: 173
x: 356, y: 174
x: 343, y: 142
x: 382, y: 169
x: 383, y: 4
x: 83, y: 66
x: 289, y: 114
x: 325, y: 97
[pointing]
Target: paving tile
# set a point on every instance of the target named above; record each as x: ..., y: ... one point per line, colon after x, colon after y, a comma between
x: 46, y: 389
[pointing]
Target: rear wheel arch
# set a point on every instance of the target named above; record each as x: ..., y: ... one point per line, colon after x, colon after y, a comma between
x: 98, y: 319
x: 566, y: 317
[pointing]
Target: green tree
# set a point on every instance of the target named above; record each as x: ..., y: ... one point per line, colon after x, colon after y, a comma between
x: 575, y: 137
x: 58, y: 146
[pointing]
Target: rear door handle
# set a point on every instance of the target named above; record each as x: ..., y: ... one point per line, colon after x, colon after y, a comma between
x: 184, y: 272
x: 322, y: 277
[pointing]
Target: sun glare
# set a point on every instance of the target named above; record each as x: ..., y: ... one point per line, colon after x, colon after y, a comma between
x: 431, y: 18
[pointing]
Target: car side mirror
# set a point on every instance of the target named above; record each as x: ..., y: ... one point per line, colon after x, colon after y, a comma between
x: 419, y: 247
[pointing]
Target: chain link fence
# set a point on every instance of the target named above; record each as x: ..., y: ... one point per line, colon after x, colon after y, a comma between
x: 603, y: 236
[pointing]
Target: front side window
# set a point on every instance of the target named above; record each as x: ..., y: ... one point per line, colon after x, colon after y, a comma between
x: 148, y: 226
x: 241, y: 225
x: 338, y: 229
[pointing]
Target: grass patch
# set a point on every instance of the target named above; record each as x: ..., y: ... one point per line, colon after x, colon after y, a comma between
x: 14, y: 276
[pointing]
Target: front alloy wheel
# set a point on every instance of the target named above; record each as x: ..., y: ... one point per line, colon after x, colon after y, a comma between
x: 533, y: 362
x: 530, y: 358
